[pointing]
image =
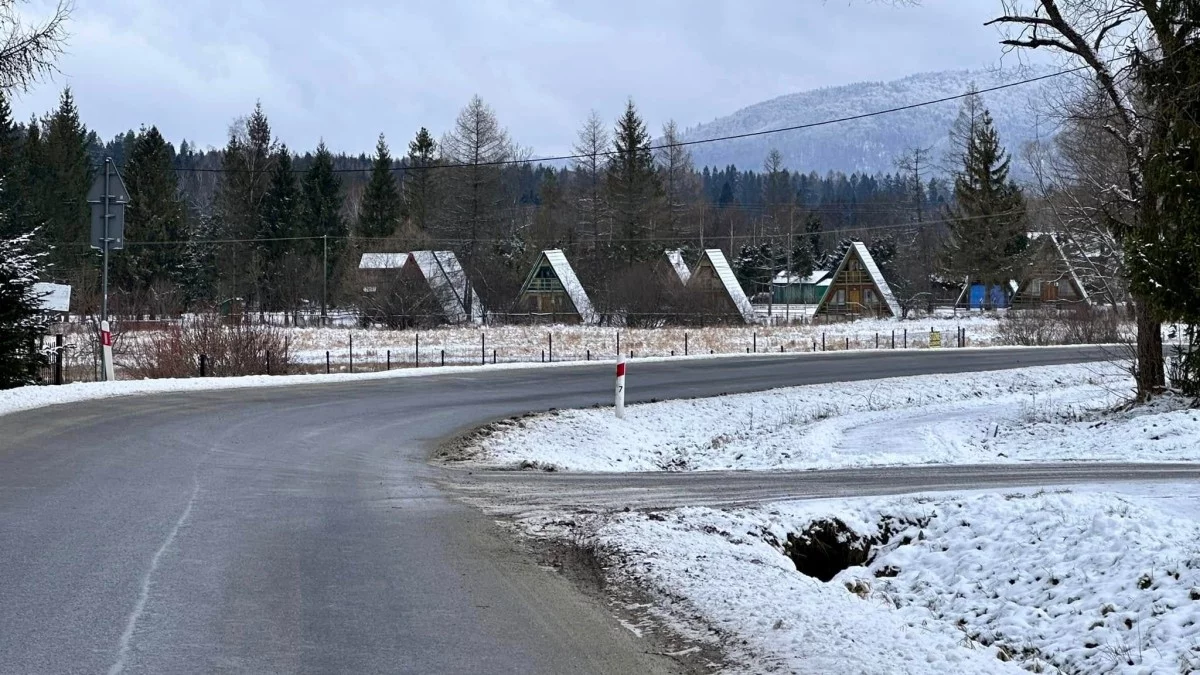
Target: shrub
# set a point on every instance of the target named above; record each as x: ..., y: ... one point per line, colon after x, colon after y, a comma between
x: 230, y: 350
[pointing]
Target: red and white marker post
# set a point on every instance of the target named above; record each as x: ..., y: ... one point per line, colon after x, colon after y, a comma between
x: 620, y: 395
x: 106, y: 345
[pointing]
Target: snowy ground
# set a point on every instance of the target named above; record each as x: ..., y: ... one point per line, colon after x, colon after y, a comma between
x: 372, y: 348
x: 979, y: 583
x: 1031, y: 414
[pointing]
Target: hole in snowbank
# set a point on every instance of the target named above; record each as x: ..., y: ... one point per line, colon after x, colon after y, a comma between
x: 829, y: 546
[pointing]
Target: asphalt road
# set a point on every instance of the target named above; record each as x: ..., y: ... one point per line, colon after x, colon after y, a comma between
x: 301, y: 529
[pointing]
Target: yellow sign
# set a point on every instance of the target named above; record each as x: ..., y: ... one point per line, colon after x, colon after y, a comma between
x: 935, y: 338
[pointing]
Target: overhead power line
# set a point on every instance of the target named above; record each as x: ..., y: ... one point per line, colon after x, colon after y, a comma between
x: 718, y: 139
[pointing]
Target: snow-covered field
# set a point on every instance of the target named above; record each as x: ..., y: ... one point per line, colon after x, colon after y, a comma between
x: 1031, y: 414
x: 980, y: 583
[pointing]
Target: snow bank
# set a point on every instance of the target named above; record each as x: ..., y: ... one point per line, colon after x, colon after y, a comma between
x: 1044, y: 413
x: 1072, y: 583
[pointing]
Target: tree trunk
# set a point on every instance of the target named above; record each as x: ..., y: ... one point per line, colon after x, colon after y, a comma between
x: 1149, y: 371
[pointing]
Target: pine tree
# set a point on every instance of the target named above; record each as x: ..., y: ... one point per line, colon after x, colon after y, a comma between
x: 987, y: 221
x: 380, y: 210
x: 420, y: 194
x: 633, y: 186
x: 321, y: 208
x: 280, y: 223
x: 155, y: 214
x: 21, y: 322
x: 62, y: 192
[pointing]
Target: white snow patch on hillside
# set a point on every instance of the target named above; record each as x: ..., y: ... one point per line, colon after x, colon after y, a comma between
x: 1062, y: 582
x: 1030, y: 414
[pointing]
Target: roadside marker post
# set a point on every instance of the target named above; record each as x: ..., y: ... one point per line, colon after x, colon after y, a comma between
x: 620, y: 393
x: 106, y: 344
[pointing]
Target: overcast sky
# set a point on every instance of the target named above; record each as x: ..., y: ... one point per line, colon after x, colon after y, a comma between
x: 347, y: 70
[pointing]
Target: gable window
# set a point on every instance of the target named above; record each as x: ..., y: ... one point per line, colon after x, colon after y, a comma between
x: 869, y: 295
x: 839, y: 298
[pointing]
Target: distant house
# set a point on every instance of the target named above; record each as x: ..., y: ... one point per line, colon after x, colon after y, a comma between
x: 415, y: 288
x: 717, y: 290
x: 375, y: 269
x: 792, y: 289
x: 857, y: 289
x: 449, y: 286
x: 552, y: 292
x: 1049, y: 276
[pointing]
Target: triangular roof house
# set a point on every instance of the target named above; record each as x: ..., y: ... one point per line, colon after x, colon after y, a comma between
x: 858, y: 288
x: 679, y: 265
x: 449, y: 285
x: 1049, y: 276
x: 553, y: 289
x: 714, y: 278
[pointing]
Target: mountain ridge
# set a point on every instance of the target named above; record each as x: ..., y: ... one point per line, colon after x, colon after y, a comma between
x: 873, y: 144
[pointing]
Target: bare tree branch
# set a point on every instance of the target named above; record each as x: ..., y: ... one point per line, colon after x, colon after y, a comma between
x: 28, y: 51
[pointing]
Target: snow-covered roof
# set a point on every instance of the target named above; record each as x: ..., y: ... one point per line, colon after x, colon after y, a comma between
x: 449, y: 284
x: 785, y: 278
x: 877, y: 276
x: 382, y: 261
x: 725, y: 273
x: 675, y: 257
x: 570, y: 283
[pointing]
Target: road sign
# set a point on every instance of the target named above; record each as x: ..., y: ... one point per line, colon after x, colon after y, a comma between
x: 620, y: 394
x: 53, y: 297
x: 935, y: 338
x: 118, y: 197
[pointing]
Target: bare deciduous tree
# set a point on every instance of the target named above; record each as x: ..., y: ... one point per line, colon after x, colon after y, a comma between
x: 592, y: 147
x: 28, y: 50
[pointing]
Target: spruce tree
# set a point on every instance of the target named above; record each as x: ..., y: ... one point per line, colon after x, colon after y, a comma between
x: 62, y: 193
x: 21, y: 322
x: 242, y: 186
x: 280, y: 223
x: 633, y: 186
x: 322, y: 208
x: 987, y: 220
x: 11, y: 179
x: 420, y: 195
x: 155, y: 213
x: 380, y: 209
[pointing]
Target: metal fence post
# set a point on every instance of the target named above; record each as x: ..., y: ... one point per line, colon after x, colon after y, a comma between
x: 906, y: 338
x: 417, y: 349
x: 351, y: 352
x: 755, y: 342
x: 389, y: 359
x: 327, y: 369
x: 685, y: 344
x: 618, y: 343
x: 550, y: 338
x: 822, y: 340
x: 893, y: 338
x: 493, y: 357
x: 847, y: 343
x: 482, y: 349
x: 877, y: 341
x: 58, y: 358
x: 589, y: 355
x: 443, y: 357
x: 203, y: 365
x: 268, y: 361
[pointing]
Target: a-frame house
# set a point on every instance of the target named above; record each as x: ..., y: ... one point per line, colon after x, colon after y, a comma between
x: 552, y: 292
x: 718, y: 292
x: 858, y: 289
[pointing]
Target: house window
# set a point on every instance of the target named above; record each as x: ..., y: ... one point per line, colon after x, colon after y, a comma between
x: 869, y: 296
x: 1035, y: 287
x: 839, y: 298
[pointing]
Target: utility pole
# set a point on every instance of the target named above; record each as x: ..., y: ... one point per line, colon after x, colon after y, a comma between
x: 107, y: 198
x: 324, y: 279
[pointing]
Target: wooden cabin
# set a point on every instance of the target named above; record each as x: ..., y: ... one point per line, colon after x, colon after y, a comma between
x: 716, y: 291
x: 1049, y: 279
x: 857, y: 289
x: 552, y: 292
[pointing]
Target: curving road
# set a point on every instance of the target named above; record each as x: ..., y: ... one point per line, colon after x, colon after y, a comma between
x: 301, y: 529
